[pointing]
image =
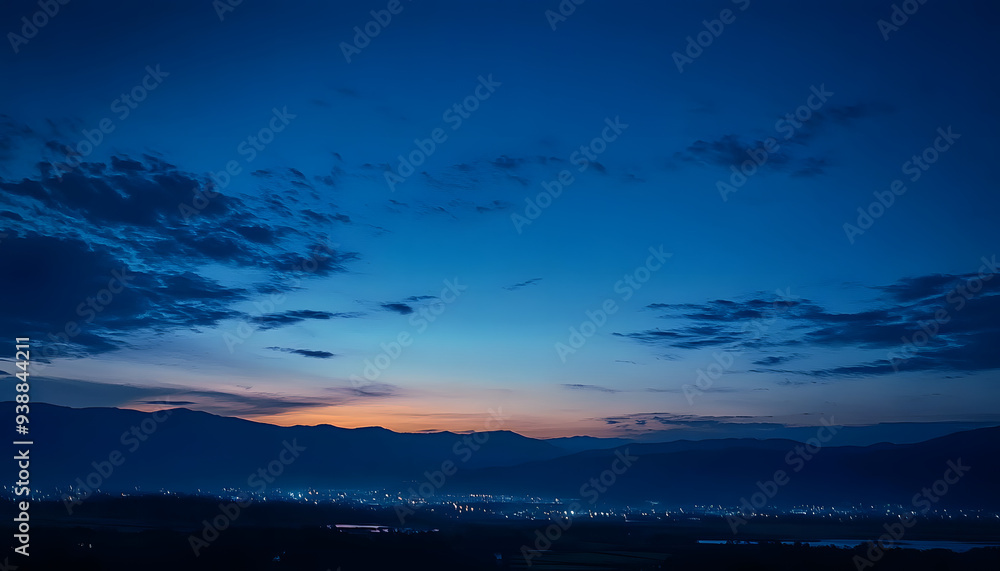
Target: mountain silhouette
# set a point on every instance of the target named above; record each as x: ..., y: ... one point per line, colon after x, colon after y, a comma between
x: 189, y: 451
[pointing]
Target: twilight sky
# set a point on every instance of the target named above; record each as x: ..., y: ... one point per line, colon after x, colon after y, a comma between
x: 324, y: 245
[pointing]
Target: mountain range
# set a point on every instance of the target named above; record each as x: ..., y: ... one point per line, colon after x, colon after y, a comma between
x: 187, y: 450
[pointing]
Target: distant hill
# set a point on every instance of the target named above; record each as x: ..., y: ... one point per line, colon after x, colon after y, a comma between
x: 192, y: 450
x: 724, y: 471
x: 580, y: 443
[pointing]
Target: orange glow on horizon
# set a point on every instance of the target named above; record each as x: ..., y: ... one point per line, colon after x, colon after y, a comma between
x: 402, y: 420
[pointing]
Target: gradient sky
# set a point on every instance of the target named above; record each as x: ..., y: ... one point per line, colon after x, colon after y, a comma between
x: 234, y: 269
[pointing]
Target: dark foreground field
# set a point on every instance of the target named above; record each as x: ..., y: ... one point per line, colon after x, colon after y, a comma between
x: 155, y: 533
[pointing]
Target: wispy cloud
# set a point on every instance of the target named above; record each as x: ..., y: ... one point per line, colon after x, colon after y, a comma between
x: 305, y: 352
x: 520, y: 285
x: 965, y: 342
x: 400, y: 308
x: 598, y: 388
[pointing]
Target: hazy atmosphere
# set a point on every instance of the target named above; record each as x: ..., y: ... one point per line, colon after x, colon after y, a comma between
x: 222, y: 311
x: 390, y: 229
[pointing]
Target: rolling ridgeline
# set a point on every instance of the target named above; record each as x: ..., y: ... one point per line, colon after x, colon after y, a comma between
x: 188, y: 451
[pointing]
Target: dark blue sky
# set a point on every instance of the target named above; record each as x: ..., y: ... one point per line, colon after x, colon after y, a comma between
x: 321, y: 250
